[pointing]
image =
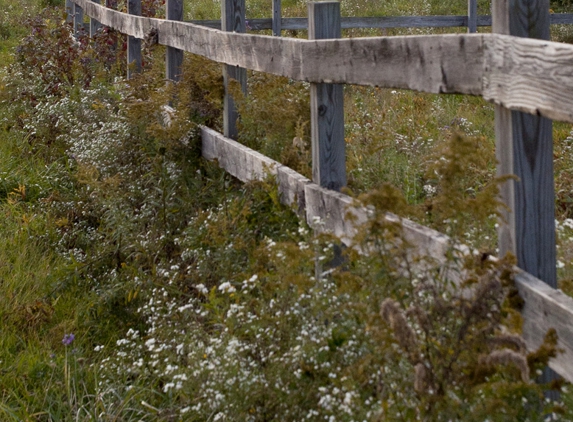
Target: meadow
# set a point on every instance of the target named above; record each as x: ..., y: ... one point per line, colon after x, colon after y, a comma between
x: 141, y: 283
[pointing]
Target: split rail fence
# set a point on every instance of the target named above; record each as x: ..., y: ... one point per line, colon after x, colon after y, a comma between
x: 529, y: 78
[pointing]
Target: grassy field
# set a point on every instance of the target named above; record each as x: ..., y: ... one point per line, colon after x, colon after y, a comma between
x: 140, y: 283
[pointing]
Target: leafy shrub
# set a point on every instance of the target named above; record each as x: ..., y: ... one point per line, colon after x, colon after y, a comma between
x: 193, y: 297
x: 275, y: 119
x: 51, y: 3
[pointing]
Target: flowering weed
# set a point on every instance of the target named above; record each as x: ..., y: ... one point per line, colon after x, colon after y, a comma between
x: 142, y: 283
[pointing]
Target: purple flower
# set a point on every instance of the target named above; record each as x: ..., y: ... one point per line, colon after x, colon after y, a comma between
x: 68, y: 338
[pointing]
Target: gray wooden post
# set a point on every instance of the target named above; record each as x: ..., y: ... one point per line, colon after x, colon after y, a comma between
x: 524, y: 147
x: 472, y: 16
x: 78, y: 19
x: 326, y: 106
x: 69, y: 11
x: 94, y: 24
x: 173, y: 56
x: 233, y: 20
x: 276, y: 18
x: 133, y: 44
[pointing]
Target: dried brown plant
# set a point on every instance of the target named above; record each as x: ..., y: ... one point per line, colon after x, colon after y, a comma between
x: 393, y: 314
x: 508, y: 357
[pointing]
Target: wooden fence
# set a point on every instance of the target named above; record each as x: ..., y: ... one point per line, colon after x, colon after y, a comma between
x: 529, y: 79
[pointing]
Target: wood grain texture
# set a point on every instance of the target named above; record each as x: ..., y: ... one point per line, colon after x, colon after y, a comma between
x: 547, y: 308
x: 531, y: 135
x: 173, y: 56
x: 503, y: 142
x: 530, y: 75
x: 327, y: 135
x: 133, y: 43
x: 240, y: 161
x: 437, y: 64
x: 534, y: 209
x: 246, y: 164
x: 529, y: 19
x: 324, y: 20
x: 534, y: 199
x: 333, y: 212
x: 136, y: 26
x: 414, y: 62
x: 291, y: 187
x: 523, y: 74
x: 326, y: 211
x: 504, y: 156
x: 327, y: 106
x: 544, y: 308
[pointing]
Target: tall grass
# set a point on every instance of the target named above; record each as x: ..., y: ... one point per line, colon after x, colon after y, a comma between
x: 140, y: 282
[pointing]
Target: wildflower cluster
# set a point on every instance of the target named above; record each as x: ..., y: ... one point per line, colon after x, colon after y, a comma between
x: 194, y: 297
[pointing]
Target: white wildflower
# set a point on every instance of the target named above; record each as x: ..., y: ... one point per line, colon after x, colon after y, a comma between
x: 226, y: 287
x: 201, y: 289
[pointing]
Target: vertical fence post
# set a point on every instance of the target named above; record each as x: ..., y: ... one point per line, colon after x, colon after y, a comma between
x: 276, y: 18
x: 173, y: 56
x: 326, y: 106
x: 94, y: 24
x: 69, y: 11
x: 524, y: 147
x: 78, y: 19
x: 133, y: 44
x: 472, y: 16
x: 233, y: 20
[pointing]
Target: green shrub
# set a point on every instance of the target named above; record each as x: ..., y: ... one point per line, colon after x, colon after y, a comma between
x: 194, y: 297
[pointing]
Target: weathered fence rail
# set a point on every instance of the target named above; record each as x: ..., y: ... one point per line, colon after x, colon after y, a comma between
x: 523, y: 74
x: 383, y: 22
x: 544, y: 308
x: 278, y: 23
x: 517, y: 74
